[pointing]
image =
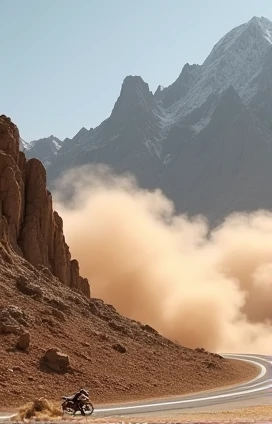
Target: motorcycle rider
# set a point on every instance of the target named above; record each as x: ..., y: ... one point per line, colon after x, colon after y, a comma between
x: 78, y: 398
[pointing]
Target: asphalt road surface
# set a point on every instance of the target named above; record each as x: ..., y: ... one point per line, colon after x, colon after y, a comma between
x: 255, y: 392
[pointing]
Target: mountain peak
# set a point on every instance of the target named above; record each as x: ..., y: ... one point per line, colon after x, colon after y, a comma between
x: 134, y: 84
x: 134, y: 92
x: 255, y: 35
x: 260, y: 20
x: 168, y: 96
x: 264, y: 25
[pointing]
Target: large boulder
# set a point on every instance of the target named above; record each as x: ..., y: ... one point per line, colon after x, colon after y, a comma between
x: 56, y: 360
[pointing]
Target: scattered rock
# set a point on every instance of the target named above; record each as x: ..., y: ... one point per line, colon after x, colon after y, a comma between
x: 56, y: 313
x: 58, y: 304
x: 23, y: 341
x: 115, y: 326
x: 28, y: 288
x: 200, y: 350
x: 111, y: 308
x: 55, y: 360
x: 149, y: 329
x: 8, y: 328
x: 17, y: 314
x: 11, y: 320
x: 48, y: 321
x: 102, y: 336
x: 95, y: 308
x: 119, y: 348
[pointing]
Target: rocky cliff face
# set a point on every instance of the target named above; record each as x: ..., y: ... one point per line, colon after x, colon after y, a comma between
x: 28, y: 224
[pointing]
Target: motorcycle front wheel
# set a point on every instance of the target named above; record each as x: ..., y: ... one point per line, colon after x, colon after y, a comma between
x: 88, y: 408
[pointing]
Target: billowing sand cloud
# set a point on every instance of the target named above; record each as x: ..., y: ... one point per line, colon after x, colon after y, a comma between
x: 210, y: 289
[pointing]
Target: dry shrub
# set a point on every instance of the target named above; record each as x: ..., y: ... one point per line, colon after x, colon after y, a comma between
x: 40, y: 408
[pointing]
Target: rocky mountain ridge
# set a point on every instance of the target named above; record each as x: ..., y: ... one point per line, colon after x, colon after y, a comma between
x: 28, y: 224
x: 171, y: 138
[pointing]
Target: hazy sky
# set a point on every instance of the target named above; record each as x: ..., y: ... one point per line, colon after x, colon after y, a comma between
x: 63, y: 61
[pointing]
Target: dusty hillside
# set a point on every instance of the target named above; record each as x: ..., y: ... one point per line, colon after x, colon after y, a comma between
x: 88, y: 331
x: 43, y: 298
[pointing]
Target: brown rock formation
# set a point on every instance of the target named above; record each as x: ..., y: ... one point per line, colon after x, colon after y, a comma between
x: 28, y: 224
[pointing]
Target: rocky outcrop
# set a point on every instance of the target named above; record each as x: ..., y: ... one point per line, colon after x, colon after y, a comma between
x: 28, y: 224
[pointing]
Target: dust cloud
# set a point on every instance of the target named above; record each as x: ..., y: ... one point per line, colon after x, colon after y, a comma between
x: 201, y: 287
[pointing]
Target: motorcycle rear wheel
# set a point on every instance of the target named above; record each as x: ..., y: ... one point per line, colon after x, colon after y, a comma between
x: 88, y: 408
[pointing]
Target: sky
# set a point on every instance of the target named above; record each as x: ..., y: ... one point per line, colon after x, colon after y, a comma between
x: 63, y: 61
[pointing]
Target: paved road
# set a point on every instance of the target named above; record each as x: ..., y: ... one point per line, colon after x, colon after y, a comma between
x: 254, y: 392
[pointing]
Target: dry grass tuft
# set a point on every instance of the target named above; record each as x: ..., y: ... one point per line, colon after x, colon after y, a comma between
x: 39, y: 408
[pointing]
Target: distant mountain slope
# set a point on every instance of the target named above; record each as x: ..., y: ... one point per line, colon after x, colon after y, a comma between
x: 44, y: 149
x: 205, y: 140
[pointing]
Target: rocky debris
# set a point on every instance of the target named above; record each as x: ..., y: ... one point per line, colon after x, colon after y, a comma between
x: 12, y: 318
x: 27, y: 222
x: 23, y: 341
x: 120, y: 348
x: 56, y: 360
x: 149, y: 329
x: 200, y: 350
x: 55, y: 313
x: 116, y: 326
x: 28, y: 288
x: 57, y: 303
x: 7, y: 327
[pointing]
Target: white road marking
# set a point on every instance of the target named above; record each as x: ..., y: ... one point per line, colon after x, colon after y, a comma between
x: 179, y: 402
x: 267, y: 384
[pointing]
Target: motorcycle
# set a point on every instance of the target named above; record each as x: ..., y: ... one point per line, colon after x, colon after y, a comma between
x: 71, y: 408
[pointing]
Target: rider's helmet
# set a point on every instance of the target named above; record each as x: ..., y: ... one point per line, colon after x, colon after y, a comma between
x: 84, y: 392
